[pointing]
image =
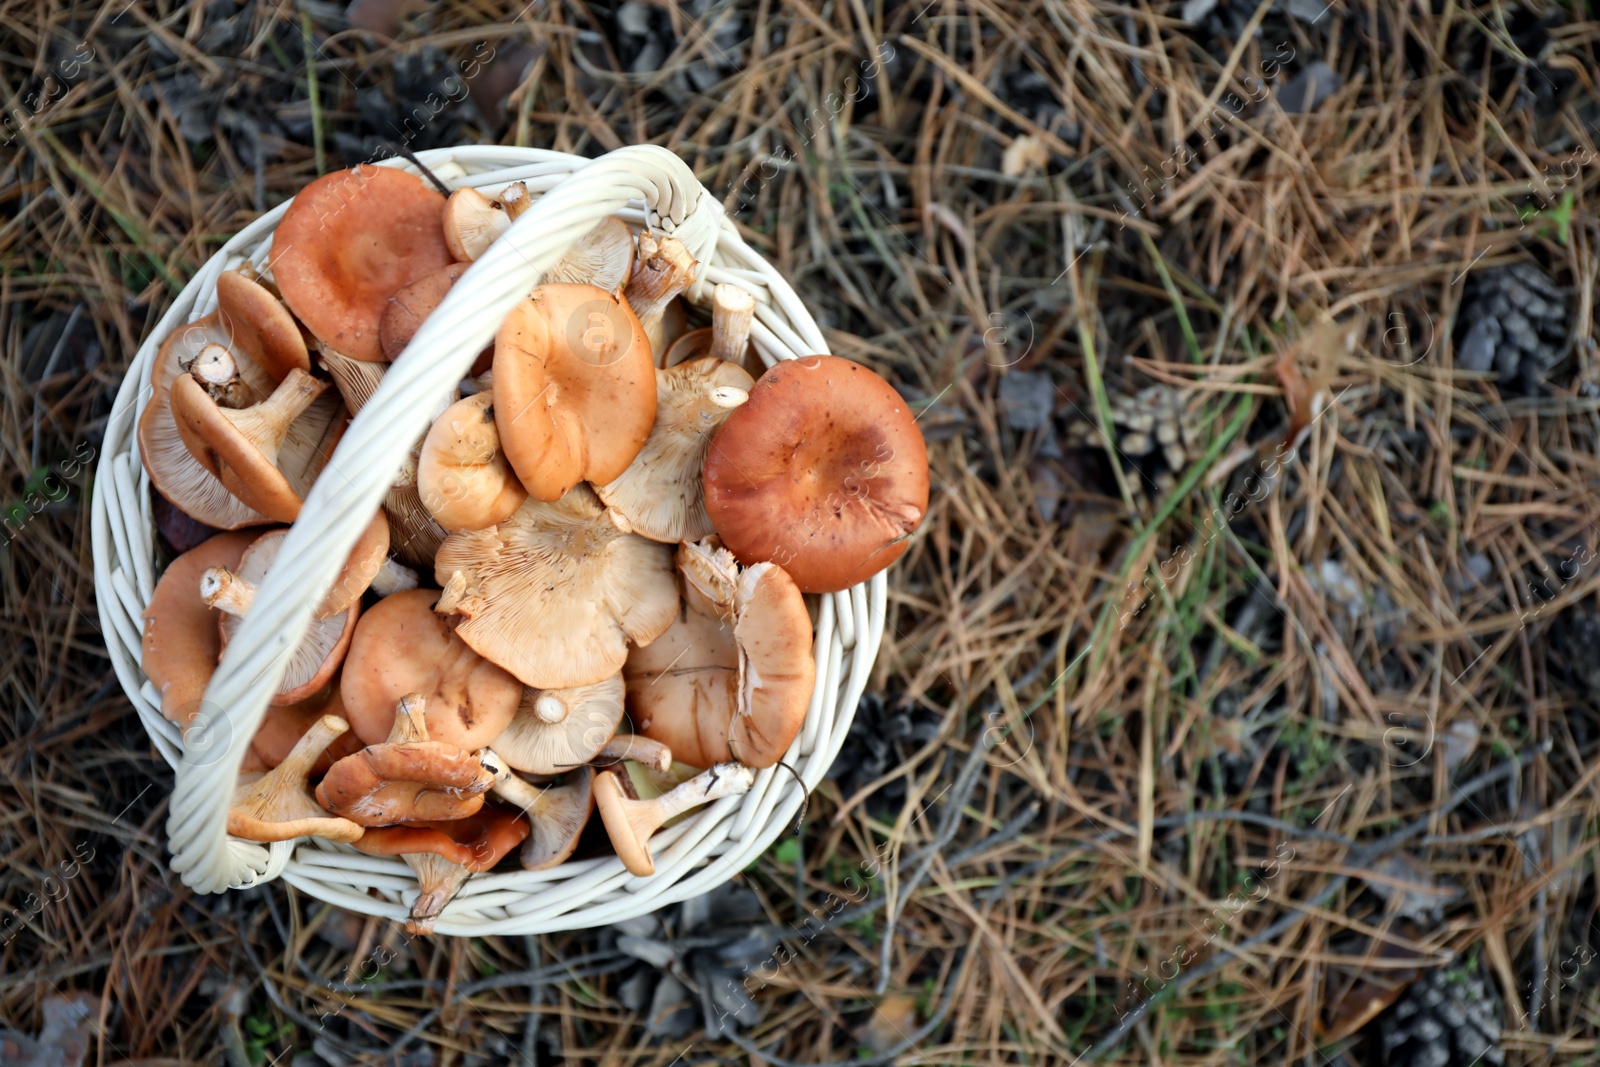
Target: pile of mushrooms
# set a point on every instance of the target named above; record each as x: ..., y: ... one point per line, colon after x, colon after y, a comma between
x: 587, y: 590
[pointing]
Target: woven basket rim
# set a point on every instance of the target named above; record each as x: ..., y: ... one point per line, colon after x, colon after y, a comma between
x: 693, y: 856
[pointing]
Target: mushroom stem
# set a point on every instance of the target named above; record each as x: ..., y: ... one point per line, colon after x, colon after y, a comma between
x: 278, y: 805
x: 268, y: 422
x: 630, y: 822
x: 393, y: 577
x: 732, y: 312
x: 728, y: 397
x: 550, y: 709
x: 220, y: 588
x: 664, y: 270
x: 216, y: 369
x: 438, y: 879
x: 635, y: 747
x: 410, y: 726
x: 515, y: 199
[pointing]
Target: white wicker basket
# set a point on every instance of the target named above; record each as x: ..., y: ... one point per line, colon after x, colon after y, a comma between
x: 642, y: 185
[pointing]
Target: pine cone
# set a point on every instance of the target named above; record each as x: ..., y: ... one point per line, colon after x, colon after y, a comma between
x: 1449, y: 1017
x: 1516, y: 325
x: 1158, y: 434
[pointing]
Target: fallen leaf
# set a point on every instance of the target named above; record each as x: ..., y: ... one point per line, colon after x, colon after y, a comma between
x: 890, y: 1024
x: 1306, y: 367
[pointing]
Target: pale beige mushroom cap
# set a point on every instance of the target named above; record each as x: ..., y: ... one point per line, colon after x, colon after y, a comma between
x: 463, y: 478
x: 556, y: 592
x: 556, y: 730
x: 661, y: 494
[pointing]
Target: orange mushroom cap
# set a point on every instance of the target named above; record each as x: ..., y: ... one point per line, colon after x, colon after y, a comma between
x: 349, y: 241
x: 401, y: 646
x: 181, y: 639
x: 574, y: 388
x: 822, y: 471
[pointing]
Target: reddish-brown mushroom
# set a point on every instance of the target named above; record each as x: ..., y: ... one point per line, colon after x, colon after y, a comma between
x: 182, y: 641
x: 444, y: 853
x: 348, y: 241
x: 822, y: 471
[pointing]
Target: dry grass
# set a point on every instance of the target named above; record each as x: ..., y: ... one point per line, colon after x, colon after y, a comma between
x: 1140, y: 708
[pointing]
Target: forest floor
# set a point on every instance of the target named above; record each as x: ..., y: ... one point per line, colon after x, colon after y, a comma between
x: 1245, y: 672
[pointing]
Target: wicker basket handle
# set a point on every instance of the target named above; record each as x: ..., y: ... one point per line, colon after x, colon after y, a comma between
x: 362, y: 468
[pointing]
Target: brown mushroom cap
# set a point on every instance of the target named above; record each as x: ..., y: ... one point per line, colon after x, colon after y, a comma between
x: 661, y: 494
x: 239, y: 446
x: 629, y: 821
x: 412, y: 304
x: 732, y: 678
x: 181, y: 640
x: 278, y: 805
x: 348, y: 241
x: 822, y: 471
x: 557, y: 814
x: 261, y: 324
x: 443, y: 854
x: 463, y: 478
x: 574, y: 388
x: 322, y: 648
x: 401, y: 646
x: 178, y: 475
x: 360, y: 569
x: 407, y: 778
x: 556, y: 730
x: 555, y: 593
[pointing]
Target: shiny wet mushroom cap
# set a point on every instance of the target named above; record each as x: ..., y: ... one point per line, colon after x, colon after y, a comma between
x: 822, y: 471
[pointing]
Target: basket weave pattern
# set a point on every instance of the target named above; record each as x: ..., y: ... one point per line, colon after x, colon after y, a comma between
x: 642, y: 185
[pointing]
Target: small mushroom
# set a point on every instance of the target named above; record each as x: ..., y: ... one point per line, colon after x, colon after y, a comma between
x: 411, y: 305
x: 556, y: 813
x: 278, y: 805
x: 732, y: 678
x: 239, y: 446
x: 634, y: 748
x: 445, y: 853
x: 630, y: 821
x: 574, y: 388
x: 260, y: 325
x: 402, y: 646
x: 556, y: 730
x: 181, y: 642
x: 177, y: 474
x: 822, y: 471
x: 321, y: 650
x: 471, y: 223
x: 348, y: 241
x: 555, y: 593
x: 728, y: 336
x: 661, y: 493
x: 408, y: 778
x: 463, y: 478
x: 664, y: 269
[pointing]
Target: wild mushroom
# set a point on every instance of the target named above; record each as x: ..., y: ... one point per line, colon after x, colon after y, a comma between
x: 412, y: 531
x: 727, y: 338
x: 278, y: 805
x: 665, y: 268
x: 732, y: 678
x: 445, y: 853
x: 602, y: 258
x: 411, y: 305
x: 463, y: 478
x: 661, y: 493
x: 574, y: 388
x: 408, y: 778
x: 176, y: 473
x: 630, y: 821
x: 556, y: 730
x: 239, y: 446
x: 822, y: 471
x: 556, y: 813
x: 181, y: 640
x: 283, y: 726
x: 322, y: 648
x: 368, y: 566
x: 347, y: 242
x: 471, y: 223
x: 634, y: 748
x: 260, y: 325
x: 401, y: 646
x: 555, y: 593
